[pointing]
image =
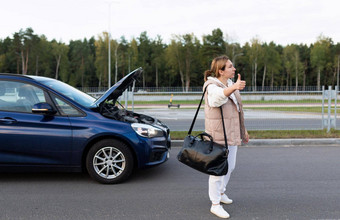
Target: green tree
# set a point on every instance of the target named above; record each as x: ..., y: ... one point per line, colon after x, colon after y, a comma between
x: 101, y: 62
x: 28, y: 42
x: 255, y: 57
x: 336, y: 65
x: 233, y: 51
x: 144, y: 57
x: 82, y: 55
x: 306, y: 66
x: 189, y: 43
x: 213, y: 45
x: 244, y: 66
x: 320, y: 56
x: 59, y: 51
x: 133, y: 55
x: 157, y: 57
x: 115, y: 44
x: 292, y: 64
x: 178, y: 63
x: 16, y: 48
x: 43, y: 58
x: 175, y: 59
x: 123, y: 57
x: 8, y: 57
x: 272, y: 63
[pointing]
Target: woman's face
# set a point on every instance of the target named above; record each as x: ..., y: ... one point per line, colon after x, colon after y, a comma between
x: 229, y: 70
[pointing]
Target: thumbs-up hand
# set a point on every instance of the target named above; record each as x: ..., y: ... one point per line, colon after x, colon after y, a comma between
x: 239, y: 84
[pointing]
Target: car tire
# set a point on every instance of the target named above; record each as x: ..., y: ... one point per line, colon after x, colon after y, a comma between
x: 109, y: 161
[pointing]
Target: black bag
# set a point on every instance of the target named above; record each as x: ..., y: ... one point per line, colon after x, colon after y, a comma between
x: 204, y: 155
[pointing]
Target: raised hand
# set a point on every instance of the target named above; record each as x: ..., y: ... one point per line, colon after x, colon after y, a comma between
x: 239, y: 84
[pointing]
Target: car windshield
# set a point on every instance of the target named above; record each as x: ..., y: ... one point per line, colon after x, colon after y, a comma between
x: 69, y: 91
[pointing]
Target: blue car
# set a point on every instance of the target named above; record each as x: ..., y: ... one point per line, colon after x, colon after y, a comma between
x: 48, y: 125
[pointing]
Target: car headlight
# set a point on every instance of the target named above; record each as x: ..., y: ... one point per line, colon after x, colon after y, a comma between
x: 147, y: 130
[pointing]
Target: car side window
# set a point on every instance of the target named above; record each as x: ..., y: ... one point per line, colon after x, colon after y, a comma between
x: 65, y: 108
x: 19, y: 96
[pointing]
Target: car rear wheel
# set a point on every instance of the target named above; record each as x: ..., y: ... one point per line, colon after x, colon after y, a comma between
x: 109, y: 161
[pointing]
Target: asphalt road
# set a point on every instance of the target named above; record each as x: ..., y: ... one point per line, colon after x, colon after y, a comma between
x: 253, y: 124
x: 268, y: 183
x: 180, y: 119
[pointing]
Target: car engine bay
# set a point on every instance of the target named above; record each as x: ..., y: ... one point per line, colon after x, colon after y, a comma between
x: 112, y: 111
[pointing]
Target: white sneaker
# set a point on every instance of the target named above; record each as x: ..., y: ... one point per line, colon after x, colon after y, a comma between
x: 225, y: 199
x: 219, y: 211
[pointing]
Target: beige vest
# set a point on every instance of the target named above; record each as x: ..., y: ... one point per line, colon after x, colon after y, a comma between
x: 233, y: 120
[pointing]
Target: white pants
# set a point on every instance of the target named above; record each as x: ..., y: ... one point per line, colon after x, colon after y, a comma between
x: 218, y: 184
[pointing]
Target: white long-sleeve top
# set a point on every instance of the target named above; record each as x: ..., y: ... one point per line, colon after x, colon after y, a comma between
x: 216, y: 96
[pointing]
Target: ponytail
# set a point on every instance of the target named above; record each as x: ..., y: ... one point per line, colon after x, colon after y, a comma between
x: 207, y: 73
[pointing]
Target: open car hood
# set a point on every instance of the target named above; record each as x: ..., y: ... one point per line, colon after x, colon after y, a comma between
x: 117, y: 89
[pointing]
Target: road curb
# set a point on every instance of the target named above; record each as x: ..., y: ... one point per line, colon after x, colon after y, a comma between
x: 280, y: 142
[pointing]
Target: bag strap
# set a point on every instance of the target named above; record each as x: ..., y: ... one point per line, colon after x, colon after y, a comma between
x: 224, y: 131
x: 199, y: 106
x: 194, y: 120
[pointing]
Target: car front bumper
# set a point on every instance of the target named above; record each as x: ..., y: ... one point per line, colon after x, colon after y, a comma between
x: 159, y: 151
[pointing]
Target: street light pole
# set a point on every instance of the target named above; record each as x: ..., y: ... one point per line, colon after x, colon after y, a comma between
x: 109, y: 49
x: 235, y: 55
x: 337, y: 77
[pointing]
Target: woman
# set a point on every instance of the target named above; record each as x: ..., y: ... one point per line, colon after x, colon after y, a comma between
x: 221, y: 91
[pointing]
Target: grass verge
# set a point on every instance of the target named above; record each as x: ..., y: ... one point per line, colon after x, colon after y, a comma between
x: 295, y: 109
x: 275, y: 134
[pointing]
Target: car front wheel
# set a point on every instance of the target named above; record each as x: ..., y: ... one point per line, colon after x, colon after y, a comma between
x: 109, y: 161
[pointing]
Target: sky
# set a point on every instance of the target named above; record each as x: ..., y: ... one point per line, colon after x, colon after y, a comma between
x: 281, y: 21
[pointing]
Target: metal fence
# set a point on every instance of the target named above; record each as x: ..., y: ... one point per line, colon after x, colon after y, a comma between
x: 199, y: 89
x: 264, y: 110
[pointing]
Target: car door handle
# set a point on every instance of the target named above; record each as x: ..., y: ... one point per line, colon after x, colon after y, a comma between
x: 7, y: 120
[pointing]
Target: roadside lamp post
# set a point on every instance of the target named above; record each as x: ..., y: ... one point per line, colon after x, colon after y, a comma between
x: 337, y: 77
x: 234, y: 58
x: 235, y: 55
x: 109, y: 49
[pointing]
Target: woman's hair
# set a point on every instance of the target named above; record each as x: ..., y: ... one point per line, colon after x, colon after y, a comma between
x: 217, y: 64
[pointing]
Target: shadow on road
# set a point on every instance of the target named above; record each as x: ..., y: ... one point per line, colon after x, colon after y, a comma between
x: 43, y: 177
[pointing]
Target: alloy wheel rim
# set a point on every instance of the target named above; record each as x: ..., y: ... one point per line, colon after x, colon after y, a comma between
x: 109, y: 162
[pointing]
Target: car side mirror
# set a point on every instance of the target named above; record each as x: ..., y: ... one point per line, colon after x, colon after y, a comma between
x: 43, y: 108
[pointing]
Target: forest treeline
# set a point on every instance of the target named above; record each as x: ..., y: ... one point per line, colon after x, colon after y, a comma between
x: 179, y: 63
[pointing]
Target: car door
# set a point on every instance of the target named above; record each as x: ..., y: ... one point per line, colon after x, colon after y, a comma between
x: 27, y: 138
